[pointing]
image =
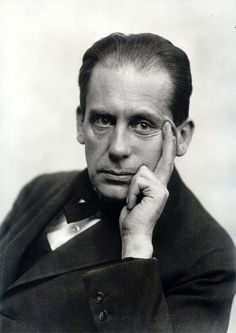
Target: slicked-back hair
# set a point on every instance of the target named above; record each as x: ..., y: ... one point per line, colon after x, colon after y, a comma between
x: 146, y: 52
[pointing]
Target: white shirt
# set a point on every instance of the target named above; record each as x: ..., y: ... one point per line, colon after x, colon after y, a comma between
x: 62, y: 232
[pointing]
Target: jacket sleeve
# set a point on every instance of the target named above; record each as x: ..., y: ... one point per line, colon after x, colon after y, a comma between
x: 128, y: 297
x: 131, y: 297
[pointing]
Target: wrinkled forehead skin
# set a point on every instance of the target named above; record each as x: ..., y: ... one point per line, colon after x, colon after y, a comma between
x: 131, y: 82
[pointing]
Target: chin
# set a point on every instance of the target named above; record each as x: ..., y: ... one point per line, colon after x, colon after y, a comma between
x: 110, y: 192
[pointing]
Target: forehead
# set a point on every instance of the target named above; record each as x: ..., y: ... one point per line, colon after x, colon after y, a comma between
x: 125, y: 89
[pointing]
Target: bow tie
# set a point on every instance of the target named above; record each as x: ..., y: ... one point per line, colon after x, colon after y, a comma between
x: 80, y: 211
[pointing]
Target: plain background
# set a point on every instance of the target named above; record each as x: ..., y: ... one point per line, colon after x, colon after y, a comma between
x: 42, y: 43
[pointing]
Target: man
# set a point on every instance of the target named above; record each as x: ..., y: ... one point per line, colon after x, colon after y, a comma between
x: 123, y: 246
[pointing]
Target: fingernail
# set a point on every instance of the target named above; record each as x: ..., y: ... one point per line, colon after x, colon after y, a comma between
x: 166, y: 124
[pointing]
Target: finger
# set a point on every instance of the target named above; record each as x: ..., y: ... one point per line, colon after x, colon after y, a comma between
x: 165, y: 165
x: 173, y: 127
x: 134, y: 192
x: 141, y: 185
x: 136, y: 187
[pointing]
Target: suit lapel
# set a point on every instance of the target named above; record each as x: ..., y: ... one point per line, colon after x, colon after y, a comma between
x: 97, y: 245
x: 29, y: 225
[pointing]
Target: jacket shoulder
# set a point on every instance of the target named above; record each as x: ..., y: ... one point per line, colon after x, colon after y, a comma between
x: 202, y: 226
x: 45, y: 185
x: 40, y: 189
x: 206, y: 242
x: 191, y: 230
x: 52, y: 180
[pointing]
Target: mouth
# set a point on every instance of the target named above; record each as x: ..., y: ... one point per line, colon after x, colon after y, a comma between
x: 117, y: 176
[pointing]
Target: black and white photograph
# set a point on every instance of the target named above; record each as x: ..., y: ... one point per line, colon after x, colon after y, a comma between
x: 117, y: 134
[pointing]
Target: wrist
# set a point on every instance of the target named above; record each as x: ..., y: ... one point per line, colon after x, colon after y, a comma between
x: 137, y: 246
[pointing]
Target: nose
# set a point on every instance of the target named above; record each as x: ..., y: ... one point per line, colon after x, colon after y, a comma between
x: 119, y: 146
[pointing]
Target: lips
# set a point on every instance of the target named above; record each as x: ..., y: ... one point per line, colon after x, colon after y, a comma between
x: 117, y: 176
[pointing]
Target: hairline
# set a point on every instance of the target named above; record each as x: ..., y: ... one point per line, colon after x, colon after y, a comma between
x: 110, y: 63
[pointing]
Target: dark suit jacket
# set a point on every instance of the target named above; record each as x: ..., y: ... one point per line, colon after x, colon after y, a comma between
x: 84, y: 286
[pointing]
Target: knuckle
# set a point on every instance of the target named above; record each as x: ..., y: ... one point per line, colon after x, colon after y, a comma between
x: 143, y: 168
x: 165, y: 192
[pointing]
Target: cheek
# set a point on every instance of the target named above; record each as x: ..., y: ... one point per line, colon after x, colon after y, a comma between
x: 94, y: 146
x: 149, y: 152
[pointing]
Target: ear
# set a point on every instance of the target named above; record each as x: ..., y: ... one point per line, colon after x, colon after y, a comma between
x: 79, y: 123
x: 184, y: 136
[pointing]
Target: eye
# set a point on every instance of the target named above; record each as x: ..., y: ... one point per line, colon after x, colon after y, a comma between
x: 143, y: 127
x: 102, y: 121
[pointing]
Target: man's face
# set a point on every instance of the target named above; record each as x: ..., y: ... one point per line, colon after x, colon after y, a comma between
x: 122, y: 127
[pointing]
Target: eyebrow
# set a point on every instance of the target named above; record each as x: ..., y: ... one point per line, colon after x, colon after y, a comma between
x: 99, y: 111
x: 135, y: 113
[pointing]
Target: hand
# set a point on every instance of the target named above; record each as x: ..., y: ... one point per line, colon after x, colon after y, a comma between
x: 138, y: 218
